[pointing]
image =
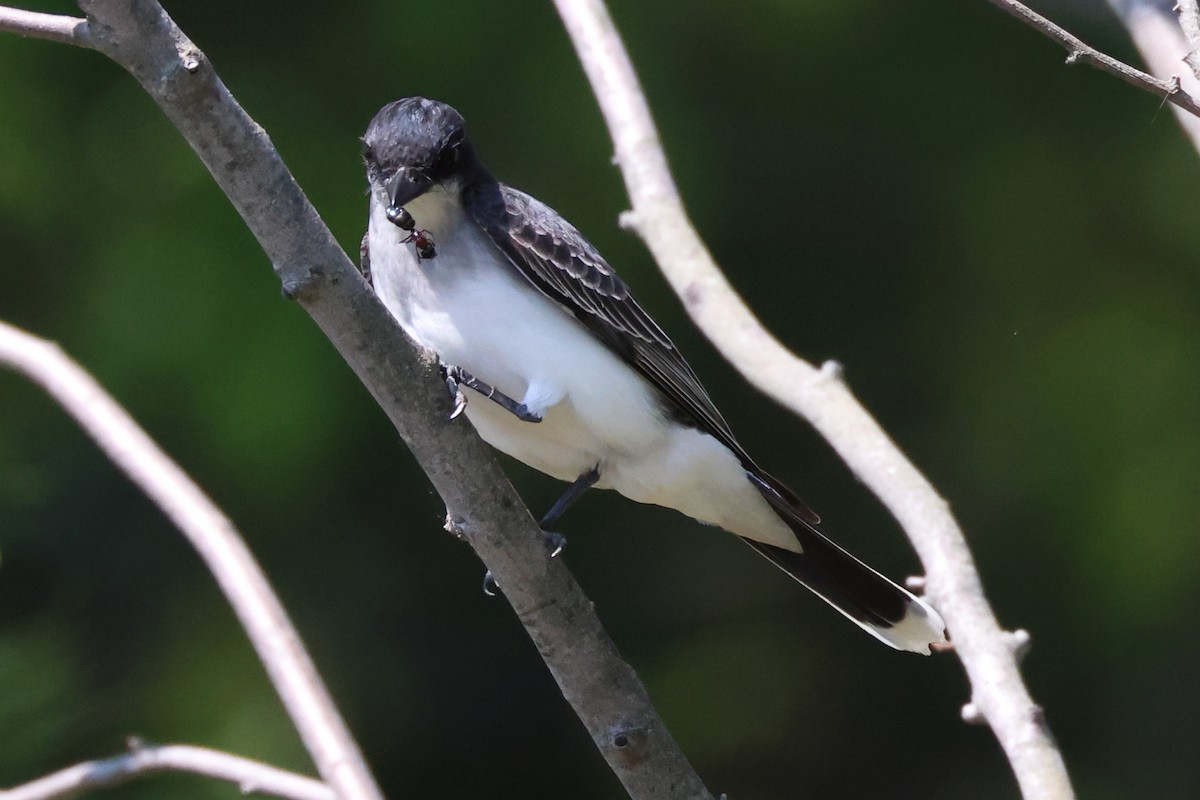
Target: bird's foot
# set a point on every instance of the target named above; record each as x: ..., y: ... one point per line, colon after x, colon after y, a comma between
x: 522, y: 412
x: 456, y: 394
x: 555, y: 542
x: 457, y: 376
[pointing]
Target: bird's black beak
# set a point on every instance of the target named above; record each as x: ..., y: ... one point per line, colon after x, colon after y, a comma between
x: 405, y: 186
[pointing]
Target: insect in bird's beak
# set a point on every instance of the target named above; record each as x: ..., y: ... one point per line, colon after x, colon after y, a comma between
x: 400, y: 218
x: 421, y: 239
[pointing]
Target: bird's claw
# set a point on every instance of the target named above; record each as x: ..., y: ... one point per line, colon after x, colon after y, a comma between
x: 555, y: 542
x: 523, y: 413
x: 460, y: 403
x: 456, y: 393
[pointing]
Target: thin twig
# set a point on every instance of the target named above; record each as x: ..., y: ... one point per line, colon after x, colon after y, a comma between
x: 481, y: 504
x: 1155, y: 30
x: 251, y: 777
x: 820, y: 396
x: 52, y: 27
x: 1080, y: 52
x: 218, y: 543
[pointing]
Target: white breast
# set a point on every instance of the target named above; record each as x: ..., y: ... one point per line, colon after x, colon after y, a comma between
x: 475, y: 311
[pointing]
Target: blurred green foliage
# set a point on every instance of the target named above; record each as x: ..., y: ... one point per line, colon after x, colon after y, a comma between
x: 1002, y: 251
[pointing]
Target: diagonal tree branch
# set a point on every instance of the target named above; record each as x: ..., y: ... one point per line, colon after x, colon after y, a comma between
x: 224, y: 552
x: 988, y: 653
x: 251, y: 777
x: 1080, y: 52
x: 481, y: 504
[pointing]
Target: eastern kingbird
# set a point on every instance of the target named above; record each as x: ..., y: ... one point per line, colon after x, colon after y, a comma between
x: 565, y: 371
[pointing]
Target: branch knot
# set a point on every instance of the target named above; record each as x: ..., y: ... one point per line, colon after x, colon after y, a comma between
x: 306, y: 286
x: 628, y: 744
x: 1018, y: 641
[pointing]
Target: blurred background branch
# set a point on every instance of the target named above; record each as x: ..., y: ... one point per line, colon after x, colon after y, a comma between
x: 217, y: 541
x: 251, y: 777
x: 1165, y: 47
x: 1189, y: 21
x: 998, y: 693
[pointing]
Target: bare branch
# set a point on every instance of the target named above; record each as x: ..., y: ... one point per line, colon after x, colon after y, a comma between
x: 252, y: 777
x: 214, y: 537
x: 1161, y: 42
x: 1189, y: 21
x: 820, y: 396
x: 1080, y: 52
x: 53, y: 27
x: 482, y: 506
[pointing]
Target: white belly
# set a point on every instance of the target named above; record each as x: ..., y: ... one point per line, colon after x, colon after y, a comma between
x: 596, y: 411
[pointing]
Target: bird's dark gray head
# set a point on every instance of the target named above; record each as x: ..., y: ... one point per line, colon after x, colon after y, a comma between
x: 414, y: 143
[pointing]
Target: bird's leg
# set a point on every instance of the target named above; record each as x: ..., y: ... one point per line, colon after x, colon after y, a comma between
x: 584, y: 482
x: 457, y: 376
x: 555, y: 542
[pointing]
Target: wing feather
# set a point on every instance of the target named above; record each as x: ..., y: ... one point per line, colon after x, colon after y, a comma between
x: 555, y: 258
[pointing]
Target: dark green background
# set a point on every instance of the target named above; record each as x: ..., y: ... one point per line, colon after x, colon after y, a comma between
x: 1001, y: 250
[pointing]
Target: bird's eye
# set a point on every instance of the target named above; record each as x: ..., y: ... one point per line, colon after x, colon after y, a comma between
x: 448, y: 157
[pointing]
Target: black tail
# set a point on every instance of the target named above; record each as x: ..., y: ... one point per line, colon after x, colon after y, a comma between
x: 883, y: 609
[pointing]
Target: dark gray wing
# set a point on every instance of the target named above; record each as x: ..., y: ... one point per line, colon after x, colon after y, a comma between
x: 553, y: 256
x: 556, y: 259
